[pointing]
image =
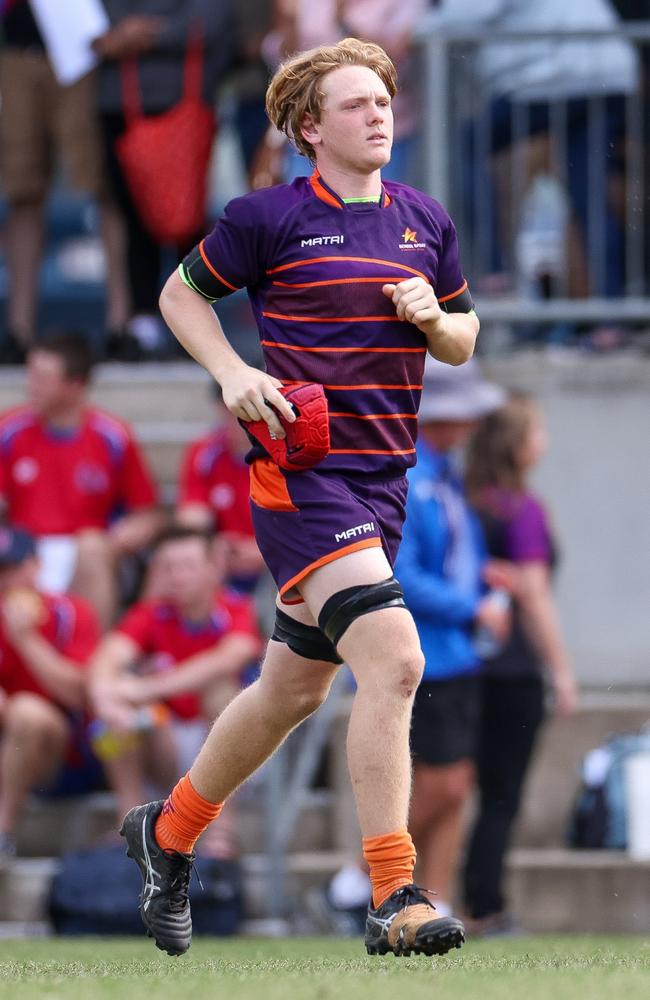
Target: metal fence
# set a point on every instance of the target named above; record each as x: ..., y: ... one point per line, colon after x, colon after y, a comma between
x: 551, y: 196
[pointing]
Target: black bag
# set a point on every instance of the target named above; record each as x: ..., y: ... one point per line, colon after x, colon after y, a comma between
x: 96, y: 892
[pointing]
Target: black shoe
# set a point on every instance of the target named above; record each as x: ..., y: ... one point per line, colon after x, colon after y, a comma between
x: 407, y: 922
x: 164, y: 900
x: 12, y: 351
x: 120, y: 345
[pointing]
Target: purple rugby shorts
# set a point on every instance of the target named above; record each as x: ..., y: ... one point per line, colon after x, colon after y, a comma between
x: 304, y: 520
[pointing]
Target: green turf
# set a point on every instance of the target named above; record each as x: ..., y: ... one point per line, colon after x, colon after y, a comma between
x: 522, y: 969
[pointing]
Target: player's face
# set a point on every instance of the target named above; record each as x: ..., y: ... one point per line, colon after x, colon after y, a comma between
x: 48, y: 389
x: 355, y: 131
x: 187, y: 573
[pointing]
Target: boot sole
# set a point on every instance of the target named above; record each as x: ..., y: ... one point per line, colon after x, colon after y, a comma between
x: 431, y: 942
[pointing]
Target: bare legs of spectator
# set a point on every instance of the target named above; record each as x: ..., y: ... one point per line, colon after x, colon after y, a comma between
x: 24, y: 235
x: 95, y: 576
x: 436, y: 823
x: 118, y: 306
x: 35, y: 734
x: 25, y: 240
x: 154, y: 759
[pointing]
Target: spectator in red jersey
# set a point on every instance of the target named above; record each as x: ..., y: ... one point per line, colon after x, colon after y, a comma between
x: 45, y: 643
x: 188, y: 652
x: 72, y: 475
x: 214, y: 492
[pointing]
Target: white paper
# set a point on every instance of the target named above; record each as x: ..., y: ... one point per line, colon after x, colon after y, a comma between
x: 68, y: 27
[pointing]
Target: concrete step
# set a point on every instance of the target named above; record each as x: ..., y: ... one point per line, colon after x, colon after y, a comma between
x: 172, y: 392
x: 552, y: 891
x: 600, y: 892
x: 53, y: 826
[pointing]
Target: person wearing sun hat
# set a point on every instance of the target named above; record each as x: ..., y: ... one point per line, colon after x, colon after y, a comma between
x: 442, y: 567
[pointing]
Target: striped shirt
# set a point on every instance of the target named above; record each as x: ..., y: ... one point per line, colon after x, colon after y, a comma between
x: 314, y: 268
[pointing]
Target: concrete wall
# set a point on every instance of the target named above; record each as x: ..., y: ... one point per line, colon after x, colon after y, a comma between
x: 596, y: 480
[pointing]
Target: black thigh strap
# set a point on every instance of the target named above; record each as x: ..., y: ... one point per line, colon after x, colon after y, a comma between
x: 305, y: 640
x: 341, y: 609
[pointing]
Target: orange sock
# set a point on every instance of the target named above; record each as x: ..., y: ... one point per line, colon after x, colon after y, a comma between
x: 391, y: 860
x: 184, y: 817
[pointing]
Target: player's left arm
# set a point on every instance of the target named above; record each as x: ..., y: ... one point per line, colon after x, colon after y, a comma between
x: 450, y: 336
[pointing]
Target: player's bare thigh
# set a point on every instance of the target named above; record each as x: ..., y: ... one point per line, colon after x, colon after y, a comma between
x: 388, y: 634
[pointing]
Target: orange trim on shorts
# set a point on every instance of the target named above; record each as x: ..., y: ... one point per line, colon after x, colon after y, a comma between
x: 452, y: 295
x: 367, y: 543
x: 269, y: 487
x: 213, y: 270
x: 369, y: 451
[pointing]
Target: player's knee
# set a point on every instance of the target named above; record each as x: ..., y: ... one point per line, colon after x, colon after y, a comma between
x: 408, y: 670
x: 343, y: 608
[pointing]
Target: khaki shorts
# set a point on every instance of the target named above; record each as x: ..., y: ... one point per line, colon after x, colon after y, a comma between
x: 41, y: 121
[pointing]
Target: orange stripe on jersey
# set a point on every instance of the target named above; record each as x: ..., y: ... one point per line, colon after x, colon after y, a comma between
x: 342, y: 387
x: 376, y: 386
x: 367, y: 543
x: 214, y: 271
x: 333, y: 319
x: 453, y: 295
x: 370, y: 451
x: 269, y: 487
x: 339, y: 281
x: 358, y: 260
x: 355, y: 350
x: 373, y: 416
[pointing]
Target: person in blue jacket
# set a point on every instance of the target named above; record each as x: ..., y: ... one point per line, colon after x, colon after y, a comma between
x: 443, y: 569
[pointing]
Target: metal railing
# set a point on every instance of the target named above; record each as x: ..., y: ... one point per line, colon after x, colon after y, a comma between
x: 590, y: 262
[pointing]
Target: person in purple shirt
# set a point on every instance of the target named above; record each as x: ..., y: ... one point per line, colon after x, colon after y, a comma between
x: 500, y: 458
x: 351, y: 281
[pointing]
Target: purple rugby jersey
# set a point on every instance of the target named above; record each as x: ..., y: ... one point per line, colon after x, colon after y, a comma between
x: 314, y: 269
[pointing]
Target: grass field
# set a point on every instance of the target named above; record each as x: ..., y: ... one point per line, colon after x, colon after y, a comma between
x: 525, y: 969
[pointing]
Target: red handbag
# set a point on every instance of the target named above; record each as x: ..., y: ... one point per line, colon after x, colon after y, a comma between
x: 165, y: 158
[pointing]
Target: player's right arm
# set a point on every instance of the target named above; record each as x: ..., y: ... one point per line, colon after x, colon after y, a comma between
x: 246, y: 390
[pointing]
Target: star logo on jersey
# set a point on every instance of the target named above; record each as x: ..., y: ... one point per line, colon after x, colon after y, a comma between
x: 410, y: 240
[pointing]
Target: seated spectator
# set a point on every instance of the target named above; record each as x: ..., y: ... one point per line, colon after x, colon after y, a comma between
x: 73, y: 476
x: 186, y: 651
x: 214, y: 495
x: 45, y: 644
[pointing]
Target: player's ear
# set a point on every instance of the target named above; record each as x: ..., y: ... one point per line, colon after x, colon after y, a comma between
x: 309, y: 130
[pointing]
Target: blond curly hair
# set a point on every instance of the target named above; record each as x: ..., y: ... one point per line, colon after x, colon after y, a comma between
x: 295, y: 89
